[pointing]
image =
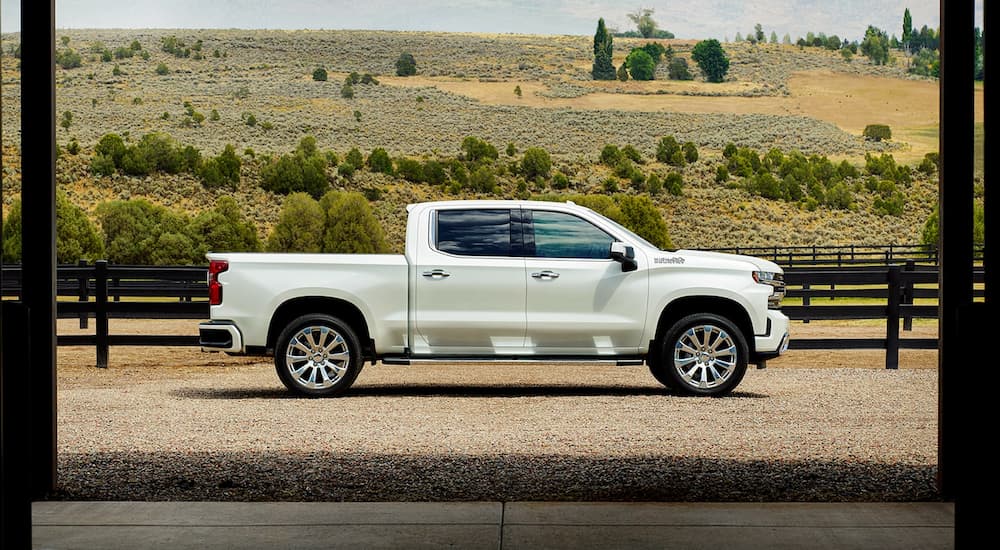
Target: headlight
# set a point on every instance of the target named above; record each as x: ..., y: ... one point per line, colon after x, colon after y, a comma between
x: 777, y: 283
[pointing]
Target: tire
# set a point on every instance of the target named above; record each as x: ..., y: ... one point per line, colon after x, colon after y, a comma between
x: 318, y: 356
x: 693, y: 360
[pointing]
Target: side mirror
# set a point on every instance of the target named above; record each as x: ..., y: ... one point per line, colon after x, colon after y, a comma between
x: 625, y: 255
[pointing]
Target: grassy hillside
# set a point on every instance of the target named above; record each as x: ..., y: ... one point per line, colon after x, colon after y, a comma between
x: 808, y: 100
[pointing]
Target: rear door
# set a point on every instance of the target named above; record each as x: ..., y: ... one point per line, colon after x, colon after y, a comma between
x: 579, y: 301
x: 470, y: 286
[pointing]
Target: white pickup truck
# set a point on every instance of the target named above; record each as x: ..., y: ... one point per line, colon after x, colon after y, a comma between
x: 501, y: 281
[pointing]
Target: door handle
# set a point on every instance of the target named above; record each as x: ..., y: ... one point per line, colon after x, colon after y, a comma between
x: 436, y: 274
x: 545, y: 275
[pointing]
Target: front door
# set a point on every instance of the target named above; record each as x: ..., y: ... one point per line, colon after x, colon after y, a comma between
x: 579, y: 301
x: 470, y: 286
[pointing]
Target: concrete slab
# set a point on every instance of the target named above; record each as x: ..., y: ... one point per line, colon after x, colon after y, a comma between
x: 200, y: 525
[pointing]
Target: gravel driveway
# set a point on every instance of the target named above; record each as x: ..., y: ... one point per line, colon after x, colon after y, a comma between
x: 230, y: 431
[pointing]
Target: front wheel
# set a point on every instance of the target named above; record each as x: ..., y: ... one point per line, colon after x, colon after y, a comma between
x: 318, y: 356
x: 702, y: 354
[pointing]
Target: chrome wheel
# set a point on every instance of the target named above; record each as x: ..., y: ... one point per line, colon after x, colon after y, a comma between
x: 317, y: 357
x: 705, y: 356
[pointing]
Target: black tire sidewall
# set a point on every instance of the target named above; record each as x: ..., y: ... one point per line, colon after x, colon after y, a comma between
x: 666, y: 364
x: 353, y: 346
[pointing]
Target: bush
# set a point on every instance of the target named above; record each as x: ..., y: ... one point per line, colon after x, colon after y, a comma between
x: 639, y: 214
x: 350, y: 226
x: 162, y: 70
x: 633, y: 154
x: 223, y: 229
x: 877, y: 132
x: 476, y: 149
x: 73, y: 147
x: 840, y: 197
x: 690, y: 152
x: 434, y: 172
x: 347, y: 91
x: 483, y: 180
x: 640, y: 65
x: 678, y: 69
x: 536, y: 163
x: 122, y: 52
x: 354, y: 158
x: 929, y: 163
x: 711, y: 59
x: 222, y: 171
x: 406, y: 65
x: 666, y: 149
x: 319, y: 75
x: 296, y: 173
x: 560, y: 181
x: 612, y: 156
x: 300, y: 226
x: 410, y: 170
x: 674, y: 184
x: 379, y: 161
x: 138, y: 232
x: 511, y: 149
x: 68, y: 59
x: 654, y: 184
x: 622, y: 72
x: 76, y: 237
x: 721, y: 174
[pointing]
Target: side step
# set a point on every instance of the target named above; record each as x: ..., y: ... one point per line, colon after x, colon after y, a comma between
x: 621, y: 361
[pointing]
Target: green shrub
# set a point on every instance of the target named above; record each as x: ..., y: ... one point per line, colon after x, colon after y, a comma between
x: 369, y: 79
x: 300, y: 226
x: 667, y: 148
x: 68, y: 59
x: 410, y: 170
x: 354, y: 158
x: 73, y: 147
x: 347, y: 91
x: 102, y: 165
x: 296, y: 173
x: 639, y: 214
x: 319, y: 75
x: 122, y: 52
x: 76, y: 236
x: 654, y: 184
x: 729, y: 150
x: 633, y: 154
x: 483, y: 180
x: 434, y: 172
x: 476, y: 149
x: 379, y: 161
x: 560, y: 181
x: 221, y: 171
x: 350, y: 226
x: 536, y: 163
x: 640, y: 64
x: 406, y: 65
x: 877, y: 132
x: 678, y: 69
x: 138, y: 232
x: 721, y: 174
x: 674, y: 184
x: 223, y: 229
x: 611, y: 155
x: 840, y: 197
x: 690, y: 152
x: 162, y: 69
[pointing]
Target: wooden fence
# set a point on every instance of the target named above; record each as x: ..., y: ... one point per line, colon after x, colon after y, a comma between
x: 101, y: 292
x: 849, y: 255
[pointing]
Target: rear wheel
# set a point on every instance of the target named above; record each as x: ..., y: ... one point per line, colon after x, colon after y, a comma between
x: 702, y: 354
x: 318, y: 356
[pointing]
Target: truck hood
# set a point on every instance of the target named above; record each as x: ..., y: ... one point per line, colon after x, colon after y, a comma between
x: 729, y: 259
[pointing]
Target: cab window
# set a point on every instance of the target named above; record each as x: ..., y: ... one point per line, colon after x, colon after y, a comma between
x: 474, y: 232
x: 562, y: 235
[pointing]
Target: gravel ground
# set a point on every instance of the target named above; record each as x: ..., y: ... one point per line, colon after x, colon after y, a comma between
x: 207, y: 427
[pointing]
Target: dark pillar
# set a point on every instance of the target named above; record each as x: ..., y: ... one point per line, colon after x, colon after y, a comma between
x: 989, y: 167
x: 15, y: 499
x: 38, y: 183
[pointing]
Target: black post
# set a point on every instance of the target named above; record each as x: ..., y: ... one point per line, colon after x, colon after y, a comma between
x: 955, y: 189
x: 15, y: 499
x: 892, y: 320
x: 84, y: 287
x: 805, y: 299
x: 38, y: 162
x: 101, y: 316
x: 908, y: 295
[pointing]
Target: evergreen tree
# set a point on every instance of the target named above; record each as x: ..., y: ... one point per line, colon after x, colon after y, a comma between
x: 603, y: 68
x: 711, y: 59
x: 907, y: 28
x: 224, y: 229
x: 639, y: 214
x: 640, y: 65
x: 76, y: 236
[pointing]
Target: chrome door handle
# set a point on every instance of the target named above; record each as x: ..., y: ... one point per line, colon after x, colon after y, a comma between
x: 545, y: 275
x: 437, y: 274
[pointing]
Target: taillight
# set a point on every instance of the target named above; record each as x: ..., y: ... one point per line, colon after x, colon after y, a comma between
x: 214, y: 287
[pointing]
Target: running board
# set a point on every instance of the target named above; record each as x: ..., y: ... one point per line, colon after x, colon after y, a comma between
x: 629, y: 361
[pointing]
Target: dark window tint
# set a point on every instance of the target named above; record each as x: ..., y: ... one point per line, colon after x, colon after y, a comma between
x: 474, y: 232
x: 560, y: 235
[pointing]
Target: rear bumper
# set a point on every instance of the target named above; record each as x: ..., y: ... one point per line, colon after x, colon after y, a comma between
x: 220, y: 336
x: 775, y: 341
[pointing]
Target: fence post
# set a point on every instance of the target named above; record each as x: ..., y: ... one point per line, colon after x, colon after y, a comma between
x: 892, y: 320
x: 805, y: 299
x: 101, y: 315
x: 84, y: 288
x: 908, y: 295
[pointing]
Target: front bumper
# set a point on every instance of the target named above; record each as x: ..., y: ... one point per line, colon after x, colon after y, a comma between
x: 220, y: 336
x: 775, y: 341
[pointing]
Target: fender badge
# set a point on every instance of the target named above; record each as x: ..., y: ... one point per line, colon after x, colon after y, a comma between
x: 674, y: 260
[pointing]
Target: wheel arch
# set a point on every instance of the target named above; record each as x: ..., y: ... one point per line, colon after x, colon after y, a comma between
x: 305, y: 305
x: 688, y: 305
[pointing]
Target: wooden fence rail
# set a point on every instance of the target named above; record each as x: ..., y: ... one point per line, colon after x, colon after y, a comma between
x: 171, y: 292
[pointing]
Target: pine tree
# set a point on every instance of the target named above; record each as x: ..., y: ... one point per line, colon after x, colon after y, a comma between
x: 603, y: 68
x: 907, y: 29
